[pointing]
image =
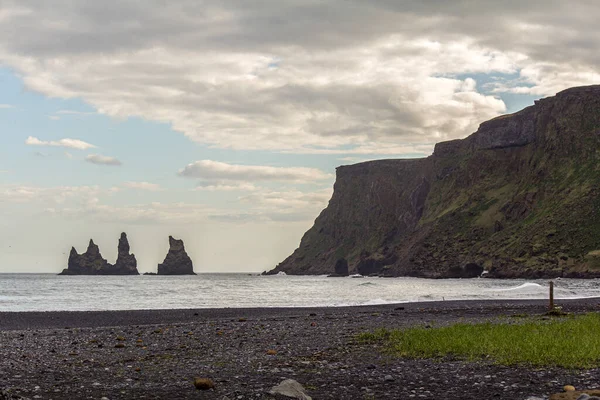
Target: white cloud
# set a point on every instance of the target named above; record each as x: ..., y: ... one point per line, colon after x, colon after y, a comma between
x: 209, y: 170
x: 290, y: 199
x: 339, y: 76
x: 6, y: 106
x: 152, y: 187
x: 74, y: 112
x: 222, y: 186
x: 88, y: 202
x: 102, y: 160
x: 49, y: 196
x: 68, y: 143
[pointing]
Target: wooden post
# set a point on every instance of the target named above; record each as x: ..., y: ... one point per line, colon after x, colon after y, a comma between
x: 551, y: 304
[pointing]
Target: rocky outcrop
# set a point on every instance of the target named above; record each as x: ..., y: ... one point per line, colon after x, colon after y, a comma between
x: 518, y: 198
x: 177, y: 262
x: 92, y: 263
x: 126, y: 263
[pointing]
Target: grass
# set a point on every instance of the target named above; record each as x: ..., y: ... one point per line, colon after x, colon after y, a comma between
x: 572, y: 342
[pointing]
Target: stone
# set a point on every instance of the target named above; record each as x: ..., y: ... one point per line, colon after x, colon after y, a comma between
x: 204, y: 383
x: 177, y: 261
x: 291, y: 389
x: 92, y: 263
x: 592, y: 394
x: 7, y: 395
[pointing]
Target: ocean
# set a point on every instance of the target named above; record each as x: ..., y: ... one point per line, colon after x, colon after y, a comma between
x: 50, y: 292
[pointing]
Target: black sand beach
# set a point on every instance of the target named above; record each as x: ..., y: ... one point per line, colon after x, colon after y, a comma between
x: 156, y: 354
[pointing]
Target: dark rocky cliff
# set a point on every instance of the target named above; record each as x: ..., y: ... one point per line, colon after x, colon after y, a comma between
x: 177, y: 261
x: 92, y: 263
x: 518, y: 198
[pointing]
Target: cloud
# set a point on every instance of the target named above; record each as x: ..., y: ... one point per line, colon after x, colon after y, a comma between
x: 68, y: 143
x: 152, y: 187
x: 74, y: 112
x: 6, y: 106
x: 209, y: 170
x: 289, y: 199
x: 339, y: 76
x: 88, y: 202
x: 223, y: 186
x: 102, y: 160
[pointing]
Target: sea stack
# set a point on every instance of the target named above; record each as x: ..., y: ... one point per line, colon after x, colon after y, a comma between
x: 177, y: 262
x: 88, y: 263
x: 126, y: 263
x: 92, y: 263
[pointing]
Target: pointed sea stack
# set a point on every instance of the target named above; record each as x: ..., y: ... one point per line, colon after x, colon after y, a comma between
x: 177, y: 261
x: 126, y: 263
x: 92, y: 263
x: 88, y: 263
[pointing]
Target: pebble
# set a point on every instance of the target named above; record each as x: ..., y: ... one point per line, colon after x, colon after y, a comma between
x: 388, y: 378
x: 204, y: 383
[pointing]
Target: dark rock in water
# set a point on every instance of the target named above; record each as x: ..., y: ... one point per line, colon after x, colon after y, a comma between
x: 149, y: 273
x: 88, y: 263
x: 177, y: 261
x: 340, y: 269
x: 519, y: 197
x: 126, y: 263
x: 92, y: 263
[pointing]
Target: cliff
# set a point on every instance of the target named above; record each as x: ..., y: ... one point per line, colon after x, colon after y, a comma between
x: 518, y: 198
x: 92, y: 263
x: 177, y: 261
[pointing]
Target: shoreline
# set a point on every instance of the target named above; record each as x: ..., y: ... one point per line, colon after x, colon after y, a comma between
x: 17, y: 320
x: 157, y: 354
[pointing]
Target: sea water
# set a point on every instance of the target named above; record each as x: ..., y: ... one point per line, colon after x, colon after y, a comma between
x: 48, y: 292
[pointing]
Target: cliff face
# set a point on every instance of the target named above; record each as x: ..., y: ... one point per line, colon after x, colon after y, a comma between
x: 92, y: 263
x: 519, y: 198
x: 177, y: 261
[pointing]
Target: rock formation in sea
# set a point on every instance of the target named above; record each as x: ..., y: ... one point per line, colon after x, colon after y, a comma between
x: 519, y: 198
x: 126, y: 263
x: 177, y: 261
x: 92, y: 263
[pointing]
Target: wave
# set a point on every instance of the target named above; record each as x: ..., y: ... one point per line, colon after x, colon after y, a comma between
x: 524, y: 286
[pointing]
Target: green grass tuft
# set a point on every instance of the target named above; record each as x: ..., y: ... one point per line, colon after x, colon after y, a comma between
x: 572, y: 342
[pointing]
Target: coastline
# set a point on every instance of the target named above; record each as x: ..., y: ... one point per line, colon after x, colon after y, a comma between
x: 22, y: 320
x: 156, y: 354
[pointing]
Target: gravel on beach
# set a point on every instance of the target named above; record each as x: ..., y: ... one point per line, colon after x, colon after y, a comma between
x: 158, y: 354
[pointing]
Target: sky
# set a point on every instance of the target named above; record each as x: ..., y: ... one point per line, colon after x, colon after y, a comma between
x: 222, y: 122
